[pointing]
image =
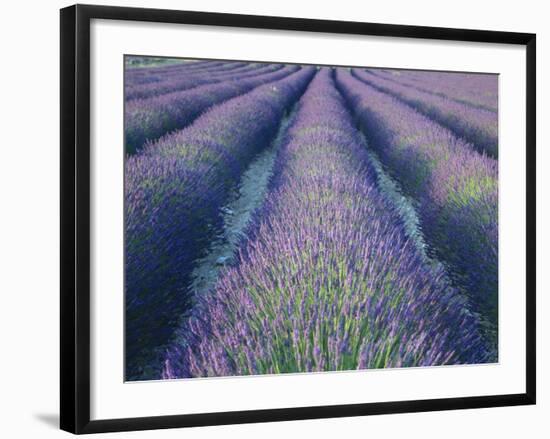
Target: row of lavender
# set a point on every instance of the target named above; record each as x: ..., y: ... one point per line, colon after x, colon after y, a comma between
x: 174, y: 190
x: 155, y: 74
x: 455, y: 187
x: 476, y: 90
x: 476, y: 125
x: 327, y: 278
x: 150, y: 118
x: 184, y: 81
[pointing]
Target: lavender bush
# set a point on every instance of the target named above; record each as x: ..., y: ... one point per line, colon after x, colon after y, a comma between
x: 174, y: 190
x: 327, y: 278
x: 455, y: 187
x: 149, y: 119
x: 475, y: 125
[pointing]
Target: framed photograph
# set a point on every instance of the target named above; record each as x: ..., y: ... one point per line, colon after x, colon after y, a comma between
x: 268, y: 218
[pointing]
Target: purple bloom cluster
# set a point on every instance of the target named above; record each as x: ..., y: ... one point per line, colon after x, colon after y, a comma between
x: 475, y: 125
x: 183, y: 80
x: 174, y: 190
x: 472, y: 89
x: 455, y: 187
x: 327, y: 278
x: 150, y: 118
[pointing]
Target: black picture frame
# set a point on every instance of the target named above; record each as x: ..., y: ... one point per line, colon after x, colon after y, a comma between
x: 75, y: 217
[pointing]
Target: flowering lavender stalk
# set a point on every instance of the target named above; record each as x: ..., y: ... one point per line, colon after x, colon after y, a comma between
x: 327, y: 278
x: 150, y: 118
x: 475, y: 125
x: 455, y: 187
x: 185, y: 81
x: 478, y: 90
x: 174, y: 191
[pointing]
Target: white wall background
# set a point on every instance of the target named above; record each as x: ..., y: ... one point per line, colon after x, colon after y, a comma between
x: 29, y: 248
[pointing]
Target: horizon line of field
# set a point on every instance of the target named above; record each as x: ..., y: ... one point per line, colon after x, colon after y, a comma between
x: 391, y: 74
x: 189, y: 61
x: 226, y: 101
x: 227, y: 66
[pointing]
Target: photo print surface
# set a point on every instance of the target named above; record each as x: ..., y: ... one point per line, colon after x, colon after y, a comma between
x: 284, y: 218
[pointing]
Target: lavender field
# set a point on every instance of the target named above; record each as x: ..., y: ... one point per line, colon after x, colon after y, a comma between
x: 286, y: 218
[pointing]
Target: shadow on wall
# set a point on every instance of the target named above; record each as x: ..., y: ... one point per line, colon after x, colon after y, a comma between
x: 49, y: 419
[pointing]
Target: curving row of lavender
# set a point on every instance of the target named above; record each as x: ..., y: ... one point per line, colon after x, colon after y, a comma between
x: 184, y: 82
x: 144, y: 75
x: 481, y: 89
x: 156, y: 74
x: 455, y: 187
x: 471, y: 89
x: 475, y: 125
x: 150, y: 118
x: 185, y: 64
x: 174, y: 191
x: 131, y: 90
x: 231, y: 68
x: 327, y: 278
